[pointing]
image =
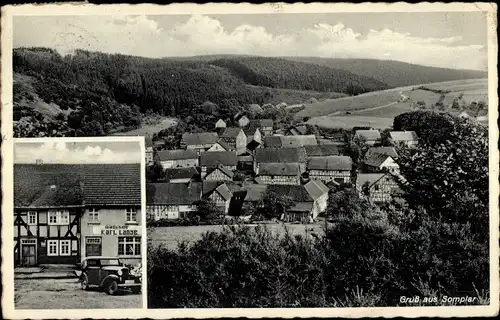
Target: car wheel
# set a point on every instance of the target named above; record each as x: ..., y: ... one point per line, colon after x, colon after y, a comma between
x: 111, y: 287
x: 84, y: 282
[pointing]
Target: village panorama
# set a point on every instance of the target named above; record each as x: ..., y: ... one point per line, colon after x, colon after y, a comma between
x: 292, y: 179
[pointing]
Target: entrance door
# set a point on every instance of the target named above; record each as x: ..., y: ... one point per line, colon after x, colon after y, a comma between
x: 28, y: 255
x: 93, y: 246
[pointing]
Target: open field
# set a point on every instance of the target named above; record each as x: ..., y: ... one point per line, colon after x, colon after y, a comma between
x: 170, y: 236
x: 149, y: 129
x: 378, y: 109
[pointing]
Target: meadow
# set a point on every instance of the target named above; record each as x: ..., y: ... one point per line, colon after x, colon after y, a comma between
x: 149, y: 127
x: 170, y: 236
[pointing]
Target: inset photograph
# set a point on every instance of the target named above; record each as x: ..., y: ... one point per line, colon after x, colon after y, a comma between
x: 78, y: 223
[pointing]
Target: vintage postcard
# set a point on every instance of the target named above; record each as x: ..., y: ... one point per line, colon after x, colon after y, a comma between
x: 238, y: 160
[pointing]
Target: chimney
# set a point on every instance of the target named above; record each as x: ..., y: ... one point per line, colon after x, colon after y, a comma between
x: 39, y: 161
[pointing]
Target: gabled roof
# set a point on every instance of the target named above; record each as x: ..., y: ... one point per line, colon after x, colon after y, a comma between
x: 181, y: 173
x: 341, y: 163
x: 225, y: 171
x: 371, y: 178
x: 210, y: 187
x: 255, y: 192
x: 261, y: 123
x: 301, y: 207
x: 297, y: 192
x: 403, y: 136
x: 322, y: 150
x: 316, y: 189
x: 376, y: 159
x: 274, y: 155
x: 180, y: 154
x: 301, y: 129
x: 272, y: 141
x: 250, y: 130
x: 223, y: 144
x: 279, y: 169
x: 252, y: 145
x: 216, y: 158
x: 298, y: 141
x: 173, y: 193
x: 255, y: 108
x: 230, y: 132
x: 61, y: 185
x: 221, y: 121
x: 391, y: 151
x: 239, y: 115
x: 369, y: 135
x: 201, y: 138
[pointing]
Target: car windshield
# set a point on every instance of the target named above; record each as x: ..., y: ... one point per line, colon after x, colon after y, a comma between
x: 110, y: 262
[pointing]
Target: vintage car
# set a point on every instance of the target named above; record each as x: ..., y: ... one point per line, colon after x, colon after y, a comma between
x: 108, y: 273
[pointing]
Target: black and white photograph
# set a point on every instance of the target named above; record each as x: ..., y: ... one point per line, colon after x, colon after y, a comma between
x: 311, y: 158
x: 77, y: 224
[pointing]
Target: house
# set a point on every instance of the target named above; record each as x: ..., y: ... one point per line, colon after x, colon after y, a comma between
x: 199, y: 142
x: 212, y: 160
x: 255, y: 194
x: 245, y: 161
x: 290, y: 141
x: 252, y: 134
x: 371, y: 137
x: 235, y: 138
x: 220, y: 124
x: 218, y: 193
x: 181, y: 175
x: 321, y: 150
x: 279, y: 173
x: 266, y: 126
x: 377, y: 187
x: 390, y: 151
x: 280, y: 155
x: 255, y: 108
x: 241, y: 119
x: 219, y: 173
x: 380, y: 162
x: 172, y: 200
x: 64, y: 212
x: 219, y: 146
x: 407, y: 138
x: 330, y: 168
x: 296, y: 130
x: 178, y: 158
x: 148, y: 144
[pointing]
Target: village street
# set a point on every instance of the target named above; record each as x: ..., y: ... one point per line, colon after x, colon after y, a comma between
x: 66, y: 294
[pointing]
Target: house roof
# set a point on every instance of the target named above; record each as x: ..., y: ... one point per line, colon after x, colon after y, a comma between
x: 216, y: 158
x: 60, y: 185
x: 181, y: 173
x: 274, y: 155
x: 255, y: 192
x: 230, y: 132
x: 227, y: 172
x: 239, y: 115
x: 211, y: 186
x: 330, y: 163
x: 201, y: 138
x: 261, y: 123
x: 112, y: 184
x: 298, y: 141
x: 272, y: 141
x: 316, y: 189
x: 252, y: 145
x: 403, y: 135
x: 322, y: 150
x: 223, y: 144
x: 301, y: 207
x: 221, y: 121
x: 369, y: 135
x: 279, y: 169
x: 173, y: 193
x: 301, y: 129
x: 180, y: 154
x: 371, y: 178
x: 255, y: 108
x: 250, y: 130
x: 391, y: 151
x: 376, y: 159
x: 297, y: 192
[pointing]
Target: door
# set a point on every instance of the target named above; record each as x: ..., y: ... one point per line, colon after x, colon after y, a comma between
x: 28, y: 255
x: 93, y: 246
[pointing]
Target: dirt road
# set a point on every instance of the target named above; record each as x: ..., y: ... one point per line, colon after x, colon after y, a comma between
x: 66, y: 294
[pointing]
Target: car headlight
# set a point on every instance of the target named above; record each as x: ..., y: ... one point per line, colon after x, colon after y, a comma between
x: 120, y: 272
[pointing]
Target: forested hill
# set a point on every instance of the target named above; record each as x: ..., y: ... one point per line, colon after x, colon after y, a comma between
x: 393, y: 73
x: 92, y: 93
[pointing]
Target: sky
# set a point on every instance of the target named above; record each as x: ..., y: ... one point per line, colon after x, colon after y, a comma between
x: 77, y: 152
x: 442, y: 39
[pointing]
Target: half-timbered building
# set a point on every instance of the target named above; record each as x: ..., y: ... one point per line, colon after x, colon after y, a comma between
x: 377, y: 187
x: 212, y: 160
x: 330, y: 168
x: 219, y: 193
x: 199, y: 141
x: 177, y: 158
x: 172, y: 200
x: 279, y: 173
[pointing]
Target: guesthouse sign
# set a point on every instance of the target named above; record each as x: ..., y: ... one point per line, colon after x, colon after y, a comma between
x: 114, y: 230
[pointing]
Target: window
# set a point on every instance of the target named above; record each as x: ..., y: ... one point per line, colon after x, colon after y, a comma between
x: 129, y: 246
x: 58, y: 217
x: 64, y: 247
x: 32, y: 217
x: 52, y: 217
x: 93, y: 215
x: 131, y: 215
x: 52, y: 248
